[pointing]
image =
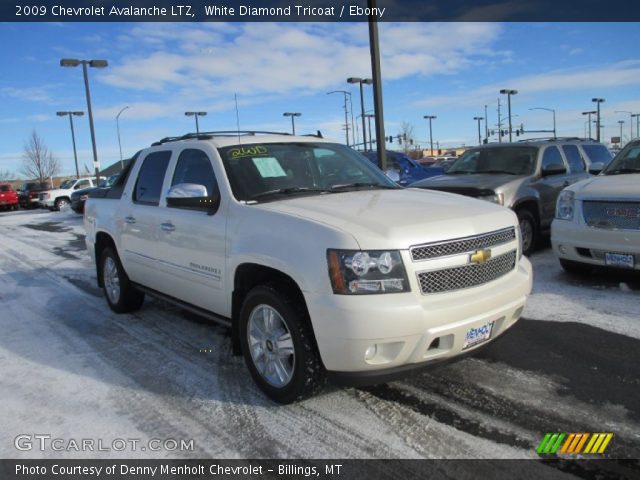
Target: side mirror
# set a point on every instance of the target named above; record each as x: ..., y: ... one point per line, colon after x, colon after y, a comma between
x: 393, y: 175
x: 596, y: 168
x: 193, y: 196
x: 554, y: 169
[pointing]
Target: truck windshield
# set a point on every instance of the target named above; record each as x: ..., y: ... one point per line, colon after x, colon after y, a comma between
x: 268, y: 171
x: 510, y: 160
x: 627, y: 161
x: 67, y: 184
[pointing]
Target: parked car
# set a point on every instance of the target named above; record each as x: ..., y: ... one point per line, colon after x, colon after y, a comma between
x: 403, y: 169
x: 79, y: 197
x: 322, y: 267
x: 8, y: 197
x: 29, y: 192
x: 524, y: 176
x: 594, y: 155
x: 597, y: 220
x: 60, y: 197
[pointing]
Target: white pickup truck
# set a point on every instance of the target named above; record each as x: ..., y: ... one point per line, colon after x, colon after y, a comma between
x: 59, y: 198
x: 322, y: 266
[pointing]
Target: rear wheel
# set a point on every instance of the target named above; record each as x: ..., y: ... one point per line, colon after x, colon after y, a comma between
x: 121, y: 296
x: 528, y: 230
x: 62, y: 203
x: 278, y: 345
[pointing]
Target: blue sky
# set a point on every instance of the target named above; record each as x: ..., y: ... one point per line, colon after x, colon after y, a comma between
x: 451, y: 70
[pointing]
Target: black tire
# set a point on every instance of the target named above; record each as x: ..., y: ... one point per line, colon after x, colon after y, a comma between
x: 529, y: 230
x: 575, y: 268
x: 121, y: 296
x: 307, y: 374
x: 62, y: 203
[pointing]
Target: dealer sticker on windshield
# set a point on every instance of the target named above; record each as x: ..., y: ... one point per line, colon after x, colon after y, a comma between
x: 618, y: 260
x: 477, y: 335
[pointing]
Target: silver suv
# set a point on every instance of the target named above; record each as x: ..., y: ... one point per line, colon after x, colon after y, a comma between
x: 526, y: 176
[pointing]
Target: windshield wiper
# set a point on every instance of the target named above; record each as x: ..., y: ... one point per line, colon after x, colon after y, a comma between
x: 287, y: 191
x: 344, y: 186
x: 622, y: 170
x: 496, y: 171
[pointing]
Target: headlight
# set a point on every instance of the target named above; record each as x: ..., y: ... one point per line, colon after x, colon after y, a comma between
x: 356, y: 272
x: 565, y: 205
x: 495, y: 198
x: 45, y: 195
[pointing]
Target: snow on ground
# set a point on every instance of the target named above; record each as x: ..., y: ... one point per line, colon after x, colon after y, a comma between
x: 73, y: 369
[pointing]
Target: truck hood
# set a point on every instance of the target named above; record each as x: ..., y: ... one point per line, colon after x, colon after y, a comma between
x: 382, y: 219
x: 608, y: 187
x: 473, y: 185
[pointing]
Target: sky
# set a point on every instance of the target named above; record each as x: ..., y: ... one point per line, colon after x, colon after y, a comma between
x: 450, y: 70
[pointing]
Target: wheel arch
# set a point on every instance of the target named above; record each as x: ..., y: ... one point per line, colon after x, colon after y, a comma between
x: 103, y: 240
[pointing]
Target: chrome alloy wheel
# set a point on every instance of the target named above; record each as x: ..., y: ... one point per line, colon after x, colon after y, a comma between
x: 271, y: 345
x: 111, y: 279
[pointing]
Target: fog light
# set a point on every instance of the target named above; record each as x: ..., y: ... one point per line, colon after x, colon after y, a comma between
x: 371, y: 352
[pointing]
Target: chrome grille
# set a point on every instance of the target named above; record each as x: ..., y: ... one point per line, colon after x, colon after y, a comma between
x: 462, y: 245
x: 612, y: 215
x: 467, y: 276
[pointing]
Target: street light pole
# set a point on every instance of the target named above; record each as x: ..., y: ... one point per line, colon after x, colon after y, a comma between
x: 369, y: 117
x: 554, y: 117
x: 430, y: 117
x: 73, y: 135
x: 593, y: 112
x: 486, y: 124
x: 598, y: 101
x: 479, y: 119
x: 346, y: 114
x: 508, y: 93
x: 118, y: 129
x: 630, y: 122
x: 621, y: 122
x: 72, y: 62
x: 637, y: 117
x: 361, y: 81
x: 292, y: 115
x: 196, y: 115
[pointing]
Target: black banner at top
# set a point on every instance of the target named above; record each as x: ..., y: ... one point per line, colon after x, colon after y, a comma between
x: 319, y: 11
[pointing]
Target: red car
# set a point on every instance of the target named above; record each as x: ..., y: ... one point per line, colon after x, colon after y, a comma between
x: 8, y: 197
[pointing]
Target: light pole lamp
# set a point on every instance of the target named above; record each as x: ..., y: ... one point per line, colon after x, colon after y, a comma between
x: 196, y: 115
x: 620, y: 122
x: 630, y: 121
x: 361, y: 81
x: 598, y: 101
x: 346, y: 112
x: 589, y: 113
x: 73, y: 135
x: 508, y: 93
x: 554, y: 117
x: 118, y: 130
x: 293, y: 115
x: 73, y: 62
x: 637, y: 117
x: 430, y: 117
x: 479, y: 119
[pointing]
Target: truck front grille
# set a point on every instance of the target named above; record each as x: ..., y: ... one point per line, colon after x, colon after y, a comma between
x: 466, y: 276
x: 612, y: 215
x: 462, y: 245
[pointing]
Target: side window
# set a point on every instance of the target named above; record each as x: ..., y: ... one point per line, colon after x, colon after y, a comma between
x: 194, y: 166
x: 576, y: 163
x: 551, y: 156
x: 82, y: 184
x: 149, y: 183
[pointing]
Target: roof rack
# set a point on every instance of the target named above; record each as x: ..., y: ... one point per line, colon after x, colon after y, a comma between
x: 223, y: 133
x: 556, y: 139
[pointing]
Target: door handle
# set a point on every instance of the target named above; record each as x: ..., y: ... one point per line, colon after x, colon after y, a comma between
x: 167, y: 227
x: 129, y: 219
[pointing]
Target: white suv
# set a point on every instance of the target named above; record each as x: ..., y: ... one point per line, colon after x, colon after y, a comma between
x: 60, y: 197
x: 320, y: 265
x: 598, y: 220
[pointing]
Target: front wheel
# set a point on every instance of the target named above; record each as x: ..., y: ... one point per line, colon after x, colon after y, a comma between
x: 121, y: 296
x: 528, y: 231
x: 278, y: 346
x: 62, y: 203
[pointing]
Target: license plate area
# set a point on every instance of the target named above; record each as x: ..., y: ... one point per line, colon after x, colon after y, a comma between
x: 623, y: 260
x: 478, y: 334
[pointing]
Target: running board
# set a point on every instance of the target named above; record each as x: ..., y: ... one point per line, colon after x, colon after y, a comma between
x: 224, y: 321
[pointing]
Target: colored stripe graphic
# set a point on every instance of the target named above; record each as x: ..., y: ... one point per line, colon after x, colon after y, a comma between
x: 574, y: 443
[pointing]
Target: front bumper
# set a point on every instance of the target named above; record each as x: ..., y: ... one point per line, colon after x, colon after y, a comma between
x: 580, y: 243
x: 411, y: 330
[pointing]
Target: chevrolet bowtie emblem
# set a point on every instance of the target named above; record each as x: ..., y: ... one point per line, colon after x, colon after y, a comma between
x: 480, y: 256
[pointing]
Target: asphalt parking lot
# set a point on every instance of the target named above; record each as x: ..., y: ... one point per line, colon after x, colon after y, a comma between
x: 73, y: 369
